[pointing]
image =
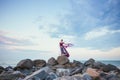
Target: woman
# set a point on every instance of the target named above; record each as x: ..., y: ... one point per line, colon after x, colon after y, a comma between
x: 63, y: 47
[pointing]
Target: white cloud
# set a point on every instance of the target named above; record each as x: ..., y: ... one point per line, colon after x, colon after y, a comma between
x: 86, y: 53
x: 51, y: 45
x: 99, y: 32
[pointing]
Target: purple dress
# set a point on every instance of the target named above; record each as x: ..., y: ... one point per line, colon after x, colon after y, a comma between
x: 63, y: 49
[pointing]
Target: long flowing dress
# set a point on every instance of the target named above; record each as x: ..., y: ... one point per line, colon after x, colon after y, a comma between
x: 63, y: 49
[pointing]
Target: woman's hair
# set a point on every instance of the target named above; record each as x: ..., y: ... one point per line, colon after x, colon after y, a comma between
x: 61, y: 39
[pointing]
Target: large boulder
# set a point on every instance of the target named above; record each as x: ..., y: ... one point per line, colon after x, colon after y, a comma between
x: 90, y: 62
x: 62, y: 60
x: 98, y: 65
x: 62, y: 72
x: 52, y: 61
x: 38, y: 75
x: 1, y: 69
x: 76, y: 64
x: 24, y: 64
x: 9, y: 68
x: 112, y: 77
x: 41, y: 74
x: 87, y: 77
x: 109, y: 68
x: 39, y: 63
x: 93, y: 73
x: 15, y: 75
x: 76, y: 70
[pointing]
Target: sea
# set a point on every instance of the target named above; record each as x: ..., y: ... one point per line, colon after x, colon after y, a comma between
x: 113, y: 62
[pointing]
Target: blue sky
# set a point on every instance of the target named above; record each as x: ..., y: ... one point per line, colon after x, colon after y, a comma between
x: 35, y: 27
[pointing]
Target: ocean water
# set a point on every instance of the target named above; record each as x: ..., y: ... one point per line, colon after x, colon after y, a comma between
x: 116, y: 63
x: 14, y: 63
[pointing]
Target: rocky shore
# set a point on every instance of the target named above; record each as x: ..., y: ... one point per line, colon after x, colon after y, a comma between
x: 60, y: 69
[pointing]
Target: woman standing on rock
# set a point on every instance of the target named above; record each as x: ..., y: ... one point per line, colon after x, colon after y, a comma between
x: 63, y: 47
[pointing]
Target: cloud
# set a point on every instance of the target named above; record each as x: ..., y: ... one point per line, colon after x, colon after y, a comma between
x: 86, y: 53
x: 99, y: 32
x: 6, y: 40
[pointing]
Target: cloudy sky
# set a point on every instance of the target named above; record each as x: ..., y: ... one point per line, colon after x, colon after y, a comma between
x: 33, y: 28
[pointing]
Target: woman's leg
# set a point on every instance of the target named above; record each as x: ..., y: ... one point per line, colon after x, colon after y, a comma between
x: 66, y: 52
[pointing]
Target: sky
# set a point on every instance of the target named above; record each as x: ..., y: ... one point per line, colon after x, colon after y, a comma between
x: 33, y: 29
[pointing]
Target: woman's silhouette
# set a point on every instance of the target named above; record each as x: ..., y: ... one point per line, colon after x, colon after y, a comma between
x: 63, y: 47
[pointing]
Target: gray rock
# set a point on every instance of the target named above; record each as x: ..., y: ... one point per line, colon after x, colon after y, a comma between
x: 89, y: 63
x: 76, y: 63
x: 68, y: 78
x: 40, y: 74
x: 76, y: 70
x: 11, y: 75
x: 1, y: 69
x: 9, y: 68
x: 62, y: 72
x: 112, y: 77
x: 87, y: 77
x: 26, y: 71
x: 57, y: 66
x: 24, y: 64
x: 47, y: 69
x: 52, y: 61
x: 51, y: 76
x: 98, y: 65
x: 109, y: 68
x: 62, y: 60
x: 39, y: 63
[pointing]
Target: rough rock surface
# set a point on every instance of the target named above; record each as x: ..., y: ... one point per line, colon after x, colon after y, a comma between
x: 39, y: 63
x: 25, y: 64
x: 64, y: 70
x: 62, y: 60
x: 52, y: 61
x: 1, y: 69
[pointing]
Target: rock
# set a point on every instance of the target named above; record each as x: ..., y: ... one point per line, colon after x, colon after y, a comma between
x: 87, y: 77
x: 112, y: 77
x: 57, y: 66
x: 62, y: 72
x: 38, y: 74
x: 98, y: 65
x: 76, y: 64
x: 69, y: 78
x: 26, y: 71
x: 39, y: 63
x: 46, y: 69
x: 89, y: 63
x: 52, y: 61
x: 24, y: 64
x: 68, y: 65
x: 103, y: 76
x: 76, y: 70
x: 1, y: 69
x: 11, y: 75
x: 41, y: 74
x: 51, y: 76
x: 62, y: 60
x: 9, y: 68
x: 77, y: 78
x: 92, y: 72
x: 109, y: 68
